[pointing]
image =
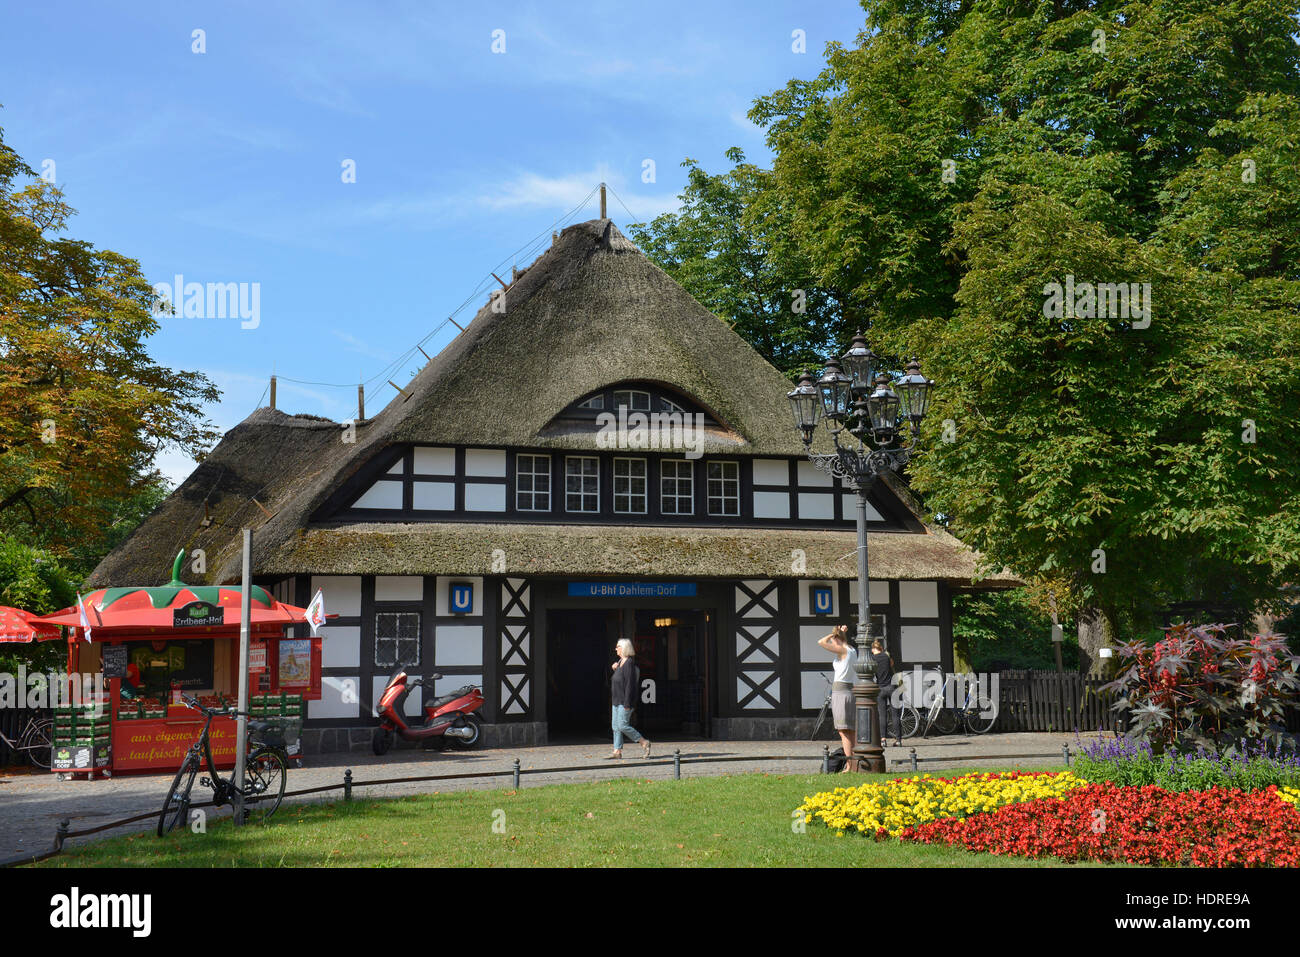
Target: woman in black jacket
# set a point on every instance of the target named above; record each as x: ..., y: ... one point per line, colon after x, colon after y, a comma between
x: 623, y: 693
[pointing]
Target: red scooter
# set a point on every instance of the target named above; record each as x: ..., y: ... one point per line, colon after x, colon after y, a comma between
x: 449, y: 717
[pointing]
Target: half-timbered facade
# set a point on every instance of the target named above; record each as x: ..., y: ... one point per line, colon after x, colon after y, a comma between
x: 594, y: 457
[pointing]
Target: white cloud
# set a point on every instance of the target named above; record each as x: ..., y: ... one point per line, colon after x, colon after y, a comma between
x: 565, y: 191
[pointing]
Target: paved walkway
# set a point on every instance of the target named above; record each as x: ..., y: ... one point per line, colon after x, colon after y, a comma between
x: 31, y: 804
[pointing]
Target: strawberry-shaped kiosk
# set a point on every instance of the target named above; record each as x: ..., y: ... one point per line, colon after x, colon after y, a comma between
x: 151, y: 644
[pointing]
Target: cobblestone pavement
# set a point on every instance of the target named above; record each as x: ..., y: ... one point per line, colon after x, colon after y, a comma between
x: 32, y: 804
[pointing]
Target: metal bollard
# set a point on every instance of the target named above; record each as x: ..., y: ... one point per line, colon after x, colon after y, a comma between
x: 61, y: 834
x: 516, y: 774
x: 347, y: 784
x: 1065, y: 750
x: 913, y: 756
x: 677, y: 764
x: 826, y: 759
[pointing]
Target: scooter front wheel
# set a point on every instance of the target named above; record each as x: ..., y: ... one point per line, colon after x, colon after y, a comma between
x: 475, y: 724
x: 381, y: 740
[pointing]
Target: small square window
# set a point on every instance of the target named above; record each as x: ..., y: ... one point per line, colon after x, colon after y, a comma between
x: 630, y: 486
x: 581, y: 484
x: 397, y: 639
x: 724, y: 488
x: 676, y: 487
x: 533, y: 483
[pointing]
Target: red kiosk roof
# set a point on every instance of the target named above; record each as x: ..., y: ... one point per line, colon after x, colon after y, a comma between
x: 175, y: 608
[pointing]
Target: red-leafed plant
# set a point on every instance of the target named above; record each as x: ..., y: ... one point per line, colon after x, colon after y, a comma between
x: 1201, y: 688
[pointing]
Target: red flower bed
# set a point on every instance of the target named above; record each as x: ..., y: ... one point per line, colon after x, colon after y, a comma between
x: 1147, y: 825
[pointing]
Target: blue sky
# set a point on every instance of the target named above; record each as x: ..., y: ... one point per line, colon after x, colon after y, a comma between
x: 227, y: 165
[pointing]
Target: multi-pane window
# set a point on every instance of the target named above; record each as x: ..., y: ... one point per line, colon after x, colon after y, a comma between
x: 676, y: 487
x: 630, y: 486
x: 724, y: 488
x: 533, y: 483
x: 668, y: 405
x: 397, y: 639
x: 633, y: 399
x: 595, y: 402
x: 581, y: 483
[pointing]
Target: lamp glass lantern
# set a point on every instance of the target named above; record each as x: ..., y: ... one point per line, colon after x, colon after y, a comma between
x: 836, y: 390
x: 882, y: 409
x: 859, y: 363
x: 914, y: 392
x: 805, y: 406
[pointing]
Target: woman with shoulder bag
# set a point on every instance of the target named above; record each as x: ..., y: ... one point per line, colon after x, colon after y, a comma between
x: 623, y: 690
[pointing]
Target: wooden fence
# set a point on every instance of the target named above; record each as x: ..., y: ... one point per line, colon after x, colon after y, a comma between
x: 1048, y: 701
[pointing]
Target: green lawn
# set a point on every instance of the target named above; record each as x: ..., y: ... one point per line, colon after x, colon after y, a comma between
x: 733, y: 821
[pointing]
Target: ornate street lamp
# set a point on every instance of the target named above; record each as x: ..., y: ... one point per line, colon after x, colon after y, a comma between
x: 884, y: 418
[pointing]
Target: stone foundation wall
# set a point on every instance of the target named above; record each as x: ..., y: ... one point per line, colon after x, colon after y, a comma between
x: 340, y: 740
x: 765, y: 729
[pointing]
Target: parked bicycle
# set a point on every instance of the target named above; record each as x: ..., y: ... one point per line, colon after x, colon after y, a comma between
x: 906, y: 719
x: 36, y: 740
x: 975, y: 711
x: 264, y: 772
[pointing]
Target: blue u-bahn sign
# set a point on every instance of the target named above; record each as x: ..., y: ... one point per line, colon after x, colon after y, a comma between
x: 631, y: 589
x: 823, y: 602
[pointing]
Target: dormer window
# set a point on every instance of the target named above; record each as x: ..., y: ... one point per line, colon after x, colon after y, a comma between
x: 634, y: 400
x: 668, y: 405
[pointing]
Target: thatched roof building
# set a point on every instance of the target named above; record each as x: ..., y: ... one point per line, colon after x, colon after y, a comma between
x: 492, y: 467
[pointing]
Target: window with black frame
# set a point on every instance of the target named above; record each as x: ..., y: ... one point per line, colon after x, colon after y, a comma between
x: 724, y: 488
x: 533, y: 483
x: 397, y: 639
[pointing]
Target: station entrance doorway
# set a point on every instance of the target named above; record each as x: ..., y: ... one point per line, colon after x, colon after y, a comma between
x: 672, y: 648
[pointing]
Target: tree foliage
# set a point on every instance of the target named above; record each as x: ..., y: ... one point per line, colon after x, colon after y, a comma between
x: 947, y: 170
x: 83, y: 407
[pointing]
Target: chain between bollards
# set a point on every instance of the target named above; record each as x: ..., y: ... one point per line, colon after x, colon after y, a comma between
x: 347, y: 784
x: 677, y: 764
x: 516, y: 774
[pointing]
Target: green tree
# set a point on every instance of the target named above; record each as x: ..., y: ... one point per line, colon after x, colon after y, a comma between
x: 961, y: 159
x: 35, y: 581
x: 728, y: 247
x: 83, y: 408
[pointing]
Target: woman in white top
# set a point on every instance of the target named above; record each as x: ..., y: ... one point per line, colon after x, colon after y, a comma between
x: 842, y: 709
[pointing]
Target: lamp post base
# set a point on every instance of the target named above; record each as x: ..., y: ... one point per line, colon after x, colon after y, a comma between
x: 868, y: 755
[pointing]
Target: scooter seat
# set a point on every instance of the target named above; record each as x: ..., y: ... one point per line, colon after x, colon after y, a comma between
x: 458, y: 693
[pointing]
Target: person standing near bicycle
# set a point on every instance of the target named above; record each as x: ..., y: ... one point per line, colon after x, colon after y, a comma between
x: 842, y: 710
x: 883, y: 664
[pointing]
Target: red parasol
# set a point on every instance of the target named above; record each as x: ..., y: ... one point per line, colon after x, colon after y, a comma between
x: 16, y: 626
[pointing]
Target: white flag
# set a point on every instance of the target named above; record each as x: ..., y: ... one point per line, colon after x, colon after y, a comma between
x: 85, y: 622
x: 316, y: 612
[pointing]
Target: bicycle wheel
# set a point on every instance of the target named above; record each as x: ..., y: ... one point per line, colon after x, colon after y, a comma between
x: 176, y: 807
x: 264, y: 781
x: 945, y: 722
x: 981, y: 716
x: 38, y: 742
x: 821, y: 718
x: 910, y: 721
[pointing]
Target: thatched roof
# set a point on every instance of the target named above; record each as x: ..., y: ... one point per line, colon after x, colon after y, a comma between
x: 591, y: 311
x: 452, y: 548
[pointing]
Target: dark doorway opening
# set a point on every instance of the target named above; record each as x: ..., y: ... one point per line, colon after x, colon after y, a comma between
x: 580, y: 648
x: 672, y: 653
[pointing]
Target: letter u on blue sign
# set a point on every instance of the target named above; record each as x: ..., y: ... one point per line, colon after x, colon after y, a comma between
x: 462, y: 598
x: 822, y: 602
